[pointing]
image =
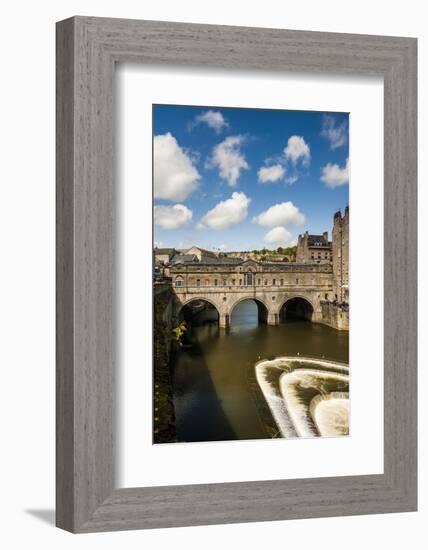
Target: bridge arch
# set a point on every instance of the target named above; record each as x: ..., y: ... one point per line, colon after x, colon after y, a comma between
x: 296, y: 307
x: 262, y: 308
x: 185, y: 309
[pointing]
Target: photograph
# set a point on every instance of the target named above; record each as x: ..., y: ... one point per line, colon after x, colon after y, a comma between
x: 250, y: 274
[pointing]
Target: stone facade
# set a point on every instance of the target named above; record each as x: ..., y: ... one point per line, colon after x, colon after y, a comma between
x: 341, y: 257
x: 334, y: 315
x: 314, y: 249
x: 201, y: 253
x: 270, y: 285
x: 164, y: 255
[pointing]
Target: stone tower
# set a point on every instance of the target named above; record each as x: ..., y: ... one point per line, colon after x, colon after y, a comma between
x: 314, y: 249
x: 341, y: 256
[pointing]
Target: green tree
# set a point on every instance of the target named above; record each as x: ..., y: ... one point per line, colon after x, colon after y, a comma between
x: 178, y: 333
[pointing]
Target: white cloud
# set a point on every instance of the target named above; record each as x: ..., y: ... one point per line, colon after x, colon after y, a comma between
x: 268, y: 174
x: 214, y: 119
x: 175, y: 176
x: 227, y: 213
x: 278, y: 236
x: 296, y: 149
x: 172, y: 217
x: 229, y: 160
x: 334, y: 176
x: 284, y: 213
x: 336, y: 135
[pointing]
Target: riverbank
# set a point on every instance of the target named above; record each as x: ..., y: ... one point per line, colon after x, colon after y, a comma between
x: 164, y: 421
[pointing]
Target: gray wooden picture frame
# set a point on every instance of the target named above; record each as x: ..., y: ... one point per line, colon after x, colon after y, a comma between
x: 87, y: 50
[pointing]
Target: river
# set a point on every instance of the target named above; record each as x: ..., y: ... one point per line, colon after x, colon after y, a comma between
x: 213, y: 398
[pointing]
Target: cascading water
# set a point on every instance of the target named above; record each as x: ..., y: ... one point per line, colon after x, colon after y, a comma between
x: 307, y: 397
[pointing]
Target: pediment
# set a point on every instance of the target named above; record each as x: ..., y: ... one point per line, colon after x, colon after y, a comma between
x: 249, y: 263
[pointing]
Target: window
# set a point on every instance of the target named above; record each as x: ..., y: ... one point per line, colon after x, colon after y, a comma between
x: 248, y: 278
x: 259, y: 281
x: 282, y: 282
x: 179, y: 282
x: 215, y: 282
x: 326, y: 296
x: 273, y: 282
x: 297, y: 281
x: 233, y: 282
x: 198, y: 282
x: 266, y: 282
x: 240, y: 282
x: 207, y: 282
x: 273, y: 298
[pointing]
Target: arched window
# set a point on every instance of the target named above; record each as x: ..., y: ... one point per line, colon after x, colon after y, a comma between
x: 179, y: 281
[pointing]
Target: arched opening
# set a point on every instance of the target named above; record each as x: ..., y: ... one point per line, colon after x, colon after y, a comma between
x: 198, y: 312
x: 296, y: 309
x: 249, y: 312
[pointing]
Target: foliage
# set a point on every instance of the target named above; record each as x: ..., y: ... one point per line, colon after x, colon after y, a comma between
x: 282, y: 251
x: 178, y: 333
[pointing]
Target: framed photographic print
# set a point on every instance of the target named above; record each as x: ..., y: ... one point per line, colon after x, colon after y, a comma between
x: 236, y: 274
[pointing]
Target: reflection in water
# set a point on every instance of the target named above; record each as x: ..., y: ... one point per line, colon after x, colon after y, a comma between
x: 212, y: 396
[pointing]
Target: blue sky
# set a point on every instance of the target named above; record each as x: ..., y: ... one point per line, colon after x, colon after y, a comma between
x: 240, y: 179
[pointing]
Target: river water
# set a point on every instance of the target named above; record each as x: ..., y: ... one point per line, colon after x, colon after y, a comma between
x: 213, y: 398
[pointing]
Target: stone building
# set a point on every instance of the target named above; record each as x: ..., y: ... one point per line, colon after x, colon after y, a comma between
x: 315, y: 287
x: 314, y: 249
x: 201, y: 253
x: 164, y: 255
x: 274, y: 287
x: 341, y: 256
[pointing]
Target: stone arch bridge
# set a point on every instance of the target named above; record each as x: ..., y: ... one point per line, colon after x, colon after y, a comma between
x: 271, y: 286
